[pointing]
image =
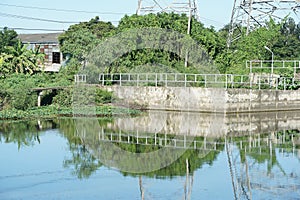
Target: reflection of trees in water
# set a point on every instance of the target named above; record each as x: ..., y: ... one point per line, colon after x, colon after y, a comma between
x: 178, y: 168
x: 21, y: 133
x: 82, y: 162
x: 259, y: 148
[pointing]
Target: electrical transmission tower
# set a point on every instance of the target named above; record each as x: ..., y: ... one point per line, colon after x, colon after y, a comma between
x: 255, y: 13
x: 189, y: 7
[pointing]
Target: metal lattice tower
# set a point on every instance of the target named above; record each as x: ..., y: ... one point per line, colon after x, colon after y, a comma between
x: 254, y: 13
x: 189, y: 7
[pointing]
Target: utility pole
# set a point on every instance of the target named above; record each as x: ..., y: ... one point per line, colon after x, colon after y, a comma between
x: 272, y: 61
x: 139, y: 7
x: 188, y: 32
x: 248, y: 14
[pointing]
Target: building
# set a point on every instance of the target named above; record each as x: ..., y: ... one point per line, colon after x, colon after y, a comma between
x: 49, y: 45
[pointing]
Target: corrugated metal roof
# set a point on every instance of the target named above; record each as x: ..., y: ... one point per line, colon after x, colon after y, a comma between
x: 40, y: 38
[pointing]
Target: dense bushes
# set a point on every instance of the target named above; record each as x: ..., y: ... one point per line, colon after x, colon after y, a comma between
x: 16, y: 92
x: 82, y: 96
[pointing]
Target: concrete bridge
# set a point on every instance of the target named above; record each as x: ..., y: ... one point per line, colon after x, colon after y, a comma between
x: 40, y: 92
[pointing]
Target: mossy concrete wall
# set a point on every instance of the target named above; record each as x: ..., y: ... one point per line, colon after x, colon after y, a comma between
x: 208, y: 99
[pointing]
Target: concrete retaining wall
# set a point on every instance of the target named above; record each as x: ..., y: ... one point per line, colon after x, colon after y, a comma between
x: 207, y: 99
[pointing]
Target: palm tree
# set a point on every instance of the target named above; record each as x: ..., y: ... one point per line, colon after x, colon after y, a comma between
x: 19, y: 59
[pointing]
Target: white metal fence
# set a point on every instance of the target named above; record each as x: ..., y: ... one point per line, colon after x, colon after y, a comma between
x: 253, y: 81
x: 275, y: 66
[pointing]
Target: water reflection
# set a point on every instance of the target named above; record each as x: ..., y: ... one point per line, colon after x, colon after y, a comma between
x: 260, y: 152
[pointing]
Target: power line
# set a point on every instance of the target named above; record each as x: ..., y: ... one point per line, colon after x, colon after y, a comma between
x: 63, y: 10
x: 37, y: 19
x: 68, y: 10
x: 32, y: 29
x: 212, y: 20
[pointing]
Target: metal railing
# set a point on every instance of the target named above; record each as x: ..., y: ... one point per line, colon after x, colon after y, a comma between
x: 254, y: 81
x: 163, y: 79
x: 261, y: 64
x: 80, y: 78
x: 279, y: 66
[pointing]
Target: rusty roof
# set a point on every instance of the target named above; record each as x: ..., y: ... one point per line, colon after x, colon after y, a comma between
x: 40, y: 38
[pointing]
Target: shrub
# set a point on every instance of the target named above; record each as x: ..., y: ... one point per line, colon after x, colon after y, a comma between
x: 63, y: 97
x: 103, y: 96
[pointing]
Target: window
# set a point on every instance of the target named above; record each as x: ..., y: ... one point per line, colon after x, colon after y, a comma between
x: 56, y: 57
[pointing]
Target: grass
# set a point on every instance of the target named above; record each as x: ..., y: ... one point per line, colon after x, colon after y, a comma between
x: 55, y: 111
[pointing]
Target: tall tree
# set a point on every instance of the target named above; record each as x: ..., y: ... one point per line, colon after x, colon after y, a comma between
x: 287, y: 46
x: 207, y: 38
x: 81, y: 38
x: 250, y: 47
x: 7, y: 38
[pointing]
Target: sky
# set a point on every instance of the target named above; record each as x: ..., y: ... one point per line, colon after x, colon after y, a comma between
x: 17, y: 14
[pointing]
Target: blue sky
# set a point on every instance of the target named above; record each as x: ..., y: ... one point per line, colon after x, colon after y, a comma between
x: 212, y: 12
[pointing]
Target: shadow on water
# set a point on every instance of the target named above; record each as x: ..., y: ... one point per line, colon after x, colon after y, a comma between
x: 251, y: 142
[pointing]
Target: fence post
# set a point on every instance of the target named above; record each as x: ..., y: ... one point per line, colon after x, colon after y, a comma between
x: 147, y: 81
x: 226, y: 79
x: 205, y: 78
x: 137, y: 80
x: 284, y: 83
x: 166, y: 80
x: 129, y: 80
x: 120, y: 79
x: 295, y: 64
x: 216, y: 78
x: 184, y: 80
x: 156, y: 80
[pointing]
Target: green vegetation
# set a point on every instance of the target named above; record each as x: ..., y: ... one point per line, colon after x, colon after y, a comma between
x: 20, y: 71
x: 15, y: 57
x: 57, y: 111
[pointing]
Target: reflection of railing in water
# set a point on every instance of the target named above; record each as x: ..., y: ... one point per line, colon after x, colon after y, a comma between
x: 248, y: 143
x: 245, y: 152
x: 252, y: 174
x: 160, y: 140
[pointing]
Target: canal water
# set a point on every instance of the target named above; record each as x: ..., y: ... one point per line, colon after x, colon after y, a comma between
x: 158, y: 155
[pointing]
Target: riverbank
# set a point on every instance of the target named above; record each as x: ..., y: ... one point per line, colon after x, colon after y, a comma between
x: 207, y: 100
x: 55, y: 111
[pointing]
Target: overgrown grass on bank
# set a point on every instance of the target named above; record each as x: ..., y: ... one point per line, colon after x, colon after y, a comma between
x: 55, y: 111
